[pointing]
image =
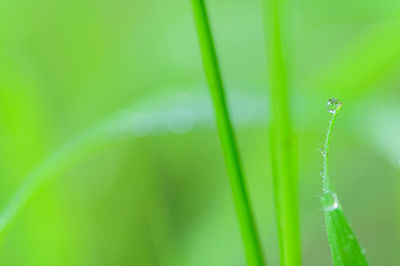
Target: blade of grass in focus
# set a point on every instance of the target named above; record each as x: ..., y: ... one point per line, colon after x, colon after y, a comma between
x: 345, y: 248
x: 282, y: 154
x: 246, y: 221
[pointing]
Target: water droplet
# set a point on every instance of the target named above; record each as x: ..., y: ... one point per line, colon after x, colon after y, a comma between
x: 331, y: 202
x: 332, y: 105
x: 363, y: 251
x: 322, y: 151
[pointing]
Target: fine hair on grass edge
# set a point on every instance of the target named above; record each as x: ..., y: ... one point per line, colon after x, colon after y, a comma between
x: 345, y: 249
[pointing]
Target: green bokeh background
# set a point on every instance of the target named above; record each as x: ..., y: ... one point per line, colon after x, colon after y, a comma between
x: 159, y: 198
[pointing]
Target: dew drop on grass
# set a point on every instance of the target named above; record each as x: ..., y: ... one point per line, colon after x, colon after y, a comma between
x: 331, y: 202
x: 332, y: 105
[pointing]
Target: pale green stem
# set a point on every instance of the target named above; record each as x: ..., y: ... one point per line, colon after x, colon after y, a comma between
x: 326, y: 184
x: 282, y: 148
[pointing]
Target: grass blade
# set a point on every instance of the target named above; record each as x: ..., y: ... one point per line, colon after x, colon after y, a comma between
x: 227, y: 138
x: 345, y: 248
x: 283, y: 161
x: 365, y: 63
x: 130, y: 123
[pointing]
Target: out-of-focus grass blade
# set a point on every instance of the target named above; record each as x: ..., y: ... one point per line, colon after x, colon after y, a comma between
x: 175, y: 113
x: 366, y: 62
x: 384, y: 134
x: 283, y: 157
x: 345, y: 248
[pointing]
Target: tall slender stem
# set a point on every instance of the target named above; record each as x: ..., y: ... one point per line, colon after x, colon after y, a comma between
x: 227, y: 138
x: 329, y: 197
x: 282, y: 153
x: 345, y: 248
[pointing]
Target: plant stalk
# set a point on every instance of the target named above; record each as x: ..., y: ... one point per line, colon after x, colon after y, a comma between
x: 226, y: 134
x: 282, y: 150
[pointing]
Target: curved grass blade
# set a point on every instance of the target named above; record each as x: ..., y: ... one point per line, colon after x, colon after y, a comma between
x: 172, y: 113
x: 368, y: 61
x: 345, y: 248
x: 231, y: 154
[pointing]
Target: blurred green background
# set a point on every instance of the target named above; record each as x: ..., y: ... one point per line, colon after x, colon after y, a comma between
x: 160, y: 195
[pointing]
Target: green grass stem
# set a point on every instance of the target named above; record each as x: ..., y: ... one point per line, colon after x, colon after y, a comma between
x: 345, y: 248
x: 282, y: 150
x: 246, y: 221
